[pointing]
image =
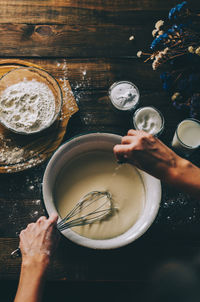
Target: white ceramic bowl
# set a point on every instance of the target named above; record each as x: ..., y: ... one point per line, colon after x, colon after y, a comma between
x: 100, y: 141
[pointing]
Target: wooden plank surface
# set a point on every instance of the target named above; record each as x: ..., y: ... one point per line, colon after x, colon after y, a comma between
x: 23, y: 6
x: 76, y: 263
x: 80, y: 15
x: 87, y: 43
x: 55, y: 29
x: 103, y: 40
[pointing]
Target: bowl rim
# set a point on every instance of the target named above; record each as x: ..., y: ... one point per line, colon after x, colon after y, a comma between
x: 104, y: 244
x: 56, y: 115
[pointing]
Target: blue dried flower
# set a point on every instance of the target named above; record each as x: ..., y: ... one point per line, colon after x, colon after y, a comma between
x: 159, y: 41
x: 155, y: 43
x: 166, y: 86
x: 179, y: 27
x: 164, y: 36
x: 166, y: 80
x: 171, y: 31
x: 175, y: 27
x: 181, y: 6
x: 181, y: 106
x: 172, y: 13
x: 165, y: 75
x: 183, y: 85
x: 177, y: 11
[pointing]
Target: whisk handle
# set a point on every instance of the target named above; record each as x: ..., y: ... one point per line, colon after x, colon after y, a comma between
x: 16, y: 253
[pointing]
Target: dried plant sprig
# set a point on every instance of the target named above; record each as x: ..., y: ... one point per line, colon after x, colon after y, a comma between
x: 173, y: 39
x: 179, y: 39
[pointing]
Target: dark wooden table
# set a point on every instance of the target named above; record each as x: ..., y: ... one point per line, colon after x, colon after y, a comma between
x: 87, y: 42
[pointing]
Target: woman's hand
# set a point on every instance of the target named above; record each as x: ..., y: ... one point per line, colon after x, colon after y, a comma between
x: 39, y: 240
x: 37, y: 243
x: 147, y: 153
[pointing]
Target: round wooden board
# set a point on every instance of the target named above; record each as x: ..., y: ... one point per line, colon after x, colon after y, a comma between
x: 20, y: 152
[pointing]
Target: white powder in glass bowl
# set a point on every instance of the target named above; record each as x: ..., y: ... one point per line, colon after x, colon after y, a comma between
x: 27, y: 106
x: 124, y: 95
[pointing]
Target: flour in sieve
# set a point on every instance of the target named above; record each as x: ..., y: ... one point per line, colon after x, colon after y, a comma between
x: 27, y: 106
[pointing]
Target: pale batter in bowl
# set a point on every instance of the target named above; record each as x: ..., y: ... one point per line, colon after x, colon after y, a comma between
x: 98, y: 170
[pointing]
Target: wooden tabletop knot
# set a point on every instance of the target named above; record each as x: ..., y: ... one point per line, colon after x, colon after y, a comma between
x: 44, y: 30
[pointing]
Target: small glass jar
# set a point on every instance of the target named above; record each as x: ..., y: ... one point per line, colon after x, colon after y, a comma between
x: 187, y: 136
x: 124, y: 95
x: 149, y: 119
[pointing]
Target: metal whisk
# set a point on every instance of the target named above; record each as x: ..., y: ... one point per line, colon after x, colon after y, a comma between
x: 95, y: 206
x: 102, y: 206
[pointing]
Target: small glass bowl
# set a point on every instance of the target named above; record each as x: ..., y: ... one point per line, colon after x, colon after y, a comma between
x: 32, y: 73
x: 154, y: 109
x: 124, y: 108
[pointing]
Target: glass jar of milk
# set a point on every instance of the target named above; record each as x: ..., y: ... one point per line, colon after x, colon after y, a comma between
x: 187, y: 136
x: 149, y: 119
x: 124, y: 95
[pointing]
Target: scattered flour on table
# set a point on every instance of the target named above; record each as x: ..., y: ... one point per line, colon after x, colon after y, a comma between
x: 10, y: 154
x: 77, y: 87
x: 37, y: 202
x: 27, y: 106
x: 67, y: 92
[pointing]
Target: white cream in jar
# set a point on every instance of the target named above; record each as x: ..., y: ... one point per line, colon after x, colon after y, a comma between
x: 148, y: 119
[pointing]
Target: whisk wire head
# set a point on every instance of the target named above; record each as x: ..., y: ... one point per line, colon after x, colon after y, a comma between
x: 95, y: 215
x: 84, y: 220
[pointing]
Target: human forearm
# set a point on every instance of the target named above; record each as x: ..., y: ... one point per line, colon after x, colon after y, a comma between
x: 185, y: 176
x: 32, y: 279
x: 151, y: 155
x: 37, y: 244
